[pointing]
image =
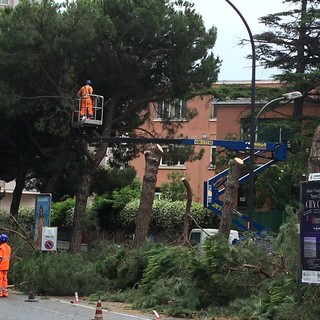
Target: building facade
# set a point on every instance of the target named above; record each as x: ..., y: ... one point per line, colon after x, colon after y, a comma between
x: 6, y: 191
x: 8, y: 3
x: 215, y: 120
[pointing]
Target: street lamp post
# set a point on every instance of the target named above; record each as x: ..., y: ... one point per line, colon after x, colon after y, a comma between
x: 252, y: 119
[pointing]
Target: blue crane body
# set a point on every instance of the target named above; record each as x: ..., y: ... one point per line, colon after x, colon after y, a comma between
x: 275, y: 152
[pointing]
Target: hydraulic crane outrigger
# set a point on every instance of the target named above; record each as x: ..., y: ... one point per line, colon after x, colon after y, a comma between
x: 213, y: 188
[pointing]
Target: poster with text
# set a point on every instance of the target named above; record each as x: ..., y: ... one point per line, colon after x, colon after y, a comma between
x: 42, y: 215
x: 310, y: 232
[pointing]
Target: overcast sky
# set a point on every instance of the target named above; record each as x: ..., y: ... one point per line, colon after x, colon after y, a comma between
x: 231, y: 29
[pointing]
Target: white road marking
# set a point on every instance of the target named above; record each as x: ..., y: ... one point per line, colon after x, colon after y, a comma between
x: 52, y: 311
x: 93, y: 308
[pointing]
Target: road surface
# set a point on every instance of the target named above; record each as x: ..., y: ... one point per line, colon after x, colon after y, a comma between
x: 15, y: 307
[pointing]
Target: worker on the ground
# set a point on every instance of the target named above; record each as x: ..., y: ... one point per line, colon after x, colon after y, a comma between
x: 5, y: 253
x: 86, y: 100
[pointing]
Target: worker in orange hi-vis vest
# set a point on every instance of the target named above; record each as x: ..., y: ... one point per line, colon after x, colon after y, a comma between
x: 86, y: 100
x: 5, y: 252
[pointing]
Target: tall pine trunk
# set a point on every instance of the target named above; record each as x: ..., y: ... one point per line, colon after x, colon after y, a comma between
x: 79, y: 211
x: 231, y: 187
x: 314, y: 157
x: 83, y: 195
x: 152, y: 159
x: 187, y: 213
x: 93, y: 161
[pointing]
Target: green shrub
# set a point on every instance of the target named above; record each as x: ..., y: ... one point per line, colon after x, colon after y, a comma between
x: 62, y: 213
x: 56, y: 274
x: 123, y: 268
x: 168, y: 216
x: 25, y: 219
x: 166, y: 281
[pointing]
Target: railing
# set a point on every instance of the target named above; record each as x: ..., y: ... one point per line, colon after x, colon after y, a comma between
x: 97, y: 109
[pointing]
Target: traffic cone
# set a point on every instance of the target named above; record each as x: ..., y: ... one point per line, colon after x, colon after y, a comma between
x: 156, y: 314
x: 98, y: 314
x: 76, y: 298
x: 31, y: 297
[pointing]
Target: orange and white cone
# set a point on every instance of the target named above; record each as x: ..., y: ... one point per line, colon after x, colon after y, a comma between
x: 156, y: 315
x: 98, y: 314
x: 76, y: 298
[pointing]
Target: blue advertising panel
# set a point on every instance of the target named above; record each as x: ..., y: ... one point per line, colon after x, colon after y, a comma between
x: 310, y: 232
x: 42, y: 215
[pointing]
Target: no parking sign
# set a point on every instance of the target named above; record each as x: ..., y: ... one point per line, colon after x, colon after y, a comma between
x: 49, y: 239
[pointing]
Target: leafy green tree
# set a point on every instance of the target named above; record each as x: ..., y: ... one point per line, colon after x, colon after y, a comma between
x: 139, y: 52
x: 279, y: 186
x: 135, y: 53
x: 36, y: 81
x: 174, y: 189
x: 292, y: 45
x: 106, y: 180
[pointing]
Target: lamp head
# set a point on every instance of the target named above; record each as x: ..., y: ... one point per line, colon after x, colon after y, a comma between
x: 292, y: 95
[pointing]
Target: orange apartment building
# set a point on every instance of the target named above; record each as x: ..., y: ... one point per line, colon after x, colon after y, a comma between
x: 216, y: 120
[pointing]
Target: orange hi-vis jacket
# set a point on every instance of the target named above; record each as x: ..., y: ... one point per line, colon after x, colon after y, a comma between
x: 5, y: 252
x: 85, y: 91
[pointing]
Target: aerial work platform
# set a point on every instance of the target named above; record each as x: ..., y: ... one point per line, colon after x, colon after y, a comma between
x: 97, y: 108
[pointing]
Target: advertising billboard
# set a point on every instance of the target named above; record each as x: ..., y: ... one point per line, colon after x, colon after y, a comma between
x: 310, y: 232
x: 42, y: 215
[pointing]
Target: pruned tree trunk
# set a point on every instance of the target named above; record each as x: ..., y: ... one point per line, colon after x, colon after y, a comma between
x: 153, y: 156
x: 231, y: 187
x: 186, y: 218
x: 17, y: 192
x: 314, y: 157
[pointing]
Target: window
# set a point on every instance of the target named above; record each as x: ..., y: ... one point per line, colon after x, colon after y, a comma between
x: 213, y: 112
x: 157, y: 195
x: 176, y: 110
x: 173, y: 157
x: 4, y: 2
x: 213, y: 157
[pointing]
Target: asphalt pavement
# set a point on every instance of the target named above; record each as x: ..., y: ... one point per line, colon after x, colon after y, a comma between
x: 19, y: 307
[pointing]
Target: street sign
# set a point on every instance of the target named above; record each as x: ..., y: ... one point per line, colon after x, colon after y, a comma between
x: 314, y: 177
x: 49, y: 239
